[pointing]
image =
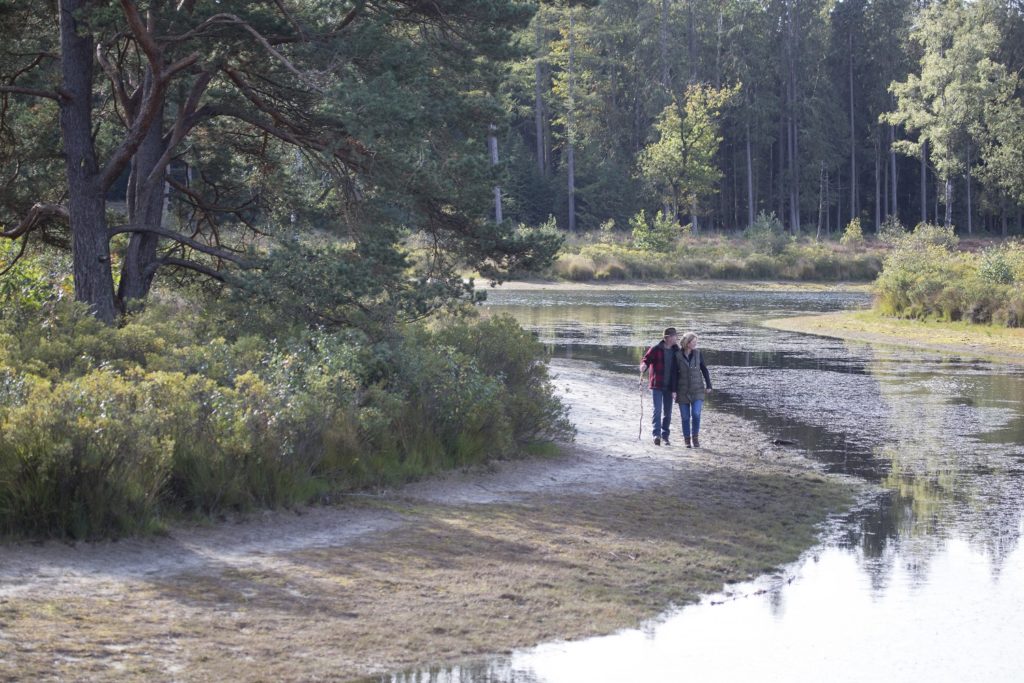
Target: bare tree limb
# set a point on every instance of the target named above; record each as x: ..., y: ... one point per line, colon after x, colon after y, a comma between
x: 38, y: 213
x: 291, y: 19
x: 14, y: 261
x: 181, y: 128
x: 33, y: 92
x: 142, y: 34
x: 184, y: 263
x: 182, y: 239
x: 120, y: 94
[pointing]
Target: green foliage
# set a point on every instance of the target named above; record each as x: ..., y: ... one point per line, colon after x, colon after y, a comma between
x: 680, y: 164
x: 106, y: 430
x: 929, y: 234
x: 658, y: 235
x: 891, y: 231
x: 852, y: 235
x: 767, y: 234
x: 715, y: 256
x: 925, y: 277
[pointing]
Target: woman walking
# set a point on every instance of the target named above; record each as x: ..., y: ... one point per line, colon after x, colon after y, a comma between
x: 693, y: 383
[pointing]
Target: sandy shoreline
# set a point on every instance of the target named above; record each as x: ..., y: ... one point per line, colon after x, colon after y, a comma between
x: 608, y: 534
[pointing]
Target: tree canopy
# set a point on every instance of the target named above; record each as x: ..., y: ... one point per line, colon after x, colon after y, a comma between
x: 223, y: 126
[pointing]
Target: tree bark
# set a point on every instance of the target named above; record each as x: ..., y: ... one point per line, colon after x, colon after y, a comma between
x: 90, y: 245
x: 893, y: 204
x: 666, y: 78
x: 924, y: 181
x: 878, y: 188
x: 949, y: 201
x: 750, y: 181
x: 145, y: 207
x: 570, y: 152
x: 539, y: 113
x: 492, y: 144
x: 970, y: 205
x: 853, y: 140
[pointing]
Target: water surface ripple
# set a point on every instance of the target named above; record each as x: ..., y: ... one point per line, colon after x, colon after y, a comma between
x: 924, y: 583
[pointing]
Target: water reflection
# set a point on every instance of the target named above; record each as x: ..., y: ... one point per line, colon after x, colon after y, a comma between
x: 926, y: 582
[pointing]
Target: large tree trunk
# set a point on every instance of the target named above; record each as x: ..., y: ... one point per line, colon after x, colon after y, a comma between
x: 893, y: 204
x: 750, y: 181
x: 853, y: 141
x: 570, y: 152
x: 145, y: 208
x: 492, y: 144
x: 924, y: 182
x: 970, y: 204
x: 949, y: 201
x: 666, y: 78
x: 795, y: 121
x: 90, y: 244
x: 539, y: 113
x: 878, y: 188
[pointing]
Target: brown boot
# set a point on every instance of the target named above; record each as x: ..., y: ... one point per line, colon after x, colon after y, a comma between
x: 687, y: 440
x: 696, y: 441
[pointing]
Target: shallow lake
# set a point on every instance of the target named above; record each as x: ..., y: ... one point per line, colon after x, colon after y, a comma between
x: 923, y: 582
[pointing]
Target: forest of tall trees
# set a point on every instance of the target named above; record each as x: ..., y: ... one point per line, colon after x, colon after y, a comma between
x: 824, y: 110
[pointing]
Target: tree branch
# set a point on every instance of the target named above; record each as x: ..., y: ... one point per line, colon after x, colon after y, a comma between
x: 184, y: 263
x: 34, y: 92
x: 182, y: 239
x: 38, y: 213
x: 180, y: 128
x: 14, y: 261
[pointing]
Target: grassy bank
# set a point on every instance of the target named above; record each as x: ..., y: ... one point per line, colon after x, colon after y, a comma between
x: 452, y: 581
x: 763, y: 255
x: 963, y: 338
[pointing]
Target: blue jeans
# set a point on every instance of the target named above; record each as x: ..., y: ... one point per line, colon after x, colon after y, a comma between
x: 662, y: 412
x: 686, y: 410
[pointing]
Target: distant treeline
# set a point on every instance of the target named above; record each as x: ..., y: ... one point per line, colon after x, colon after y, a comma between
x: 830, y: 111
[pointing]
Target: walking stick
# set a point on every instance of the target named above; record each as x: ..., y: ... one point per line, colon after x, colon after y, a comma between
x: 640, y: 434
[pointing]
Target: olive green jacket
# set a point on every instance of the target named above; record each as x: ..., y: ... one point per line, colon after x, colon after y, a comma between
x: 691, y: 377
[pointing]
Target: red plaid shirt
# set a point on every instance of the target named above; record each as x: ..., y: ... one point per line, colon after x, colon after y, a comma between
x: 654, y: 359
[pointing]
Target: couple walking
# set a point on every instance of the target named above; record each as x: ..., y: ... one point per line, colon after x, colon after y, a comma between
x: 677, y: 371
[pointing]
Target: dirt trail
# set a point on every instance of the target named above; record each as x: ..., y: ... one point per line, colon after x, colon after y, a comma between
x: 472, y: 562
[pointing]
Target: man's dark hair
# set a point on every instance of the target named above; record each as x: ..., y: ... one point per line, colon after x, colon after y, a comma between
x: 669, y: 331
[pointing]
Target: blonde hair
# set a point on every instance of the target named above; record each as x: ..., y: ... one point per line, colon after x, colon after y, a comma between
x: 687, y: 338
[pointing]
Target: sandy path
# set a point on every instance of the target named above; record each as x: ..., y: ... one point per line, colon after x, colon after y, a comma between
x: 552, y: 533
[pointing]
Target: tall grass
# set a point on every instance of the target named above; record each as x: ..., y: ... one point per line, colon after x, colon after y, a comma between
x: 766, y: 255
x: 108, y: 431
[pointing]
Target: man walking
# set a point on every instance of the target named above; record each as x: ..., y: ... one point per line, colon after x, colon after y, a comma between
x: 660, y: 359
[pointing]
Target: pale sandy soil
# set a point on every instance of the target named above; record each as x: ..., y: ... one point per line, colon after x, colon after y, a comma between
x: 600, y: 538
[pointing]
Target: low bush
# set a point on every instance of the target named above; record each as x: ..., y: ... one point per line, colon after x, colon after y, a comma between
x: 924, y: 276
x: 765, y: 252
x: 106, y: 431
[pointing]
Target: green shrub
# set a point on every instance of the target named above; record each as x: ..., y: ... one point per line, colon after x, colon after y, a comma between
x: 891, y: 231
x: 767, y: 235
x: 853, y: 235
x: 656, y: 236
x: 574, y: 267
x: 995, y: 267
x: 929, y: 234
x: 761, y: 266
x: 106, y: 431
